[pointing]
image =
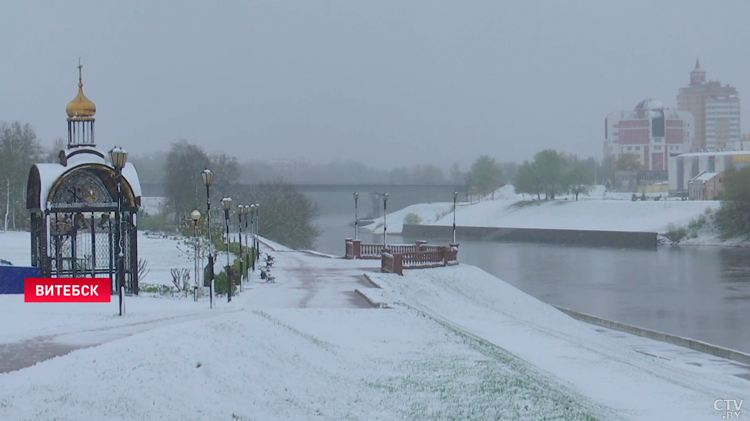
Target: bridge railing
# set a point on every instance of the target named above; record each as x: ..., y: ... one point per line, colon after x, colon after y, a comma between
x: 397, y: 257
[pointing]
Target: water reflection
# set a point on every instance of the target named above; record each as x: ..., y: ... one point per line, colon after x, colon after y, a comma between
x: 696, y: 292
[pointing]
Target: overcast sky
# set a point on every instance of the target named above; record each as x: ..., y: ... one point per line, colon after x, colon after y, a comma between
x: 388, y: 83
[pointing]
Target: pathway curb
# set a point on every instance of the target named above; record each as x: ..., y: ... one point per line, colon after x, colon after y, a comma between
x: 693, y: 344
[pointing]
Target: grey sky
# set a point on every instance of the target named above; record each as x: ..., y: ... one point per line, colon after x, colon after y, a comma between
x: 384, y: 82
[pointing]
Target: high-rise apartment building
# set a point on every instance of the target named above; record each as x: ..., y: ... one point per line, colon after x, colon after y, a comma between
x: 650, y: 132
x: 716, y: 111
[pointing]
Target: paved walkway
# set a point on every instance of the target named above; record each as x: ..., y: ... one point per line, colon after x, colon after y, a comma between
x: 19, y: 355
x: 311, y: 281
x: 306, y: 283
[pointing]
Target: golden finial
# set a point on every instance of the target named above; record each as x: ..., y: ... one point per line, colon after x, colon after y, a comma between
x: 80, y: 106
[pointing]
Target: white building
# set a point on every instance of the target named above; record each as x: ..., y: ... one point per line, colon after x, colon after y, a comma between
x: 687, y: 166
x: 651, y: 132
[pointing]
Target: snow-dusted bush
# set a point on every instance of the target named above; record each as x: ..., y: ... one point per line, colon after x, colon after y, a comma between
x: 412, y: 219
x: 676, y: 234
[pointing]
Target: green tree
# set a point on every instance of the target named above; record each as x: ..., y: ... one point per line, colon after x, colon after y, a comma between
x: 550, y: 169
x: 628, y: 162
x: 733, y: 217
x: 578, y: 178
x: 286, y: 215
x: 183, y: 185
x: 19, y: 150
x: 484, y: 176
x: 226, y: 173
x: 527, y: 180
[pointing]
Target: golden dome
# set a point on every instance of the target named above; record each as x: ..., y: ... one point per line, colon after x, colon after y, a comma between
x: 80, y: 106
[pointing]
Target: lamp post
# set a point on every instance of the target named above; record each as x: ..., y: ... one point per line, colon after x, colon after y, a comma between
x: 257, y: 227
x: 240, y: 212
x: 455, y: 195
x: 208, y: 178
x: 356, y: 221
x: 385, y: 220
x: 246, y: 210
x: 226, y: 204
x: 195, y: 216
x: 119, y: 157
x: 252, y: 227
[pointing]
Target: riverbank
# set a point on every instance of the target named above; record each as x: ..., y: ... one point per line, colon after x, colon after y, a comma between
x: 597, y: 211
x: 454, y: 343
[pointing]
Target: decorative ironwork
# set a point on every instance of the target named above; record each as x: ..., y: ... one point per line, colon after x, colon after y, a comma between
x: 75, y: 235
x: 83, y: 187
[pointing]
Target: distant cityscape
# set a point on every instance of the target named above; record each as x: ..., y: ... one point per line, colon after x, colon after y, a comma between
x: 680, y: 150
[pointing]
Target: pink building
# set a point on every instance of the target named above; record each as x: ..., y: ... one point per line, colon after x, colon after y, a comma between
x: 650, y: 131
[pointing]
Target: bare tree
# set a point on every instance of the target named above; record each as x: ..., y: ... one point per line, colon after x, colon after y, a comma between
x: 19, y: 150
x: 143, y: 269
x: 181, y: 279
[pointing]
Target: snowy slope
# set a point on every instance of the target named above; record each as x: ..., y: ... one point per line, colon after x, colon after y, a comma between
x: 631, y: 384
x: 597, y: 211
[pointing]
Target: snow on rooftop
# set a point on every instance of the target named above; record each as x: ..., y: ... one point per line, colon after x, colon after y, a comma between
x: 49, y: 173
x: 704, y: 176
x: 649, y: 104
x: 714, y: 153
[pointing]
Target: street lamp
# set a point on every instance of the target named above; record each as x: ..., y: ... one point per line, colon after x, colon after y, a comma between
x: 356, y: 221
x: 195, y: 216
x: 226, y: 204
x: 252, y: 227
x: 385, y: 220
x: 455, y: 195
x: 246, y: 210
x: 240, y: 212
x: 257, y: 227
x: 119, y: 157
x: 208, y: 178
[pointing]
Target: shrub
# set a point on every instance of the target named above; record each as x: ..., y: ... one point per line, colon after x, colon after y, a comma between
x: 154, y: 289
x: 220, y: 284
x: 412, y: 219
x: 676, y: 234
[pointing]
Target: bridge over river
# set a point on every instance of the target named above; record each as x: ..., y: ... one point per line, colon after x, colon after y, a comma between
x: 336, y: 198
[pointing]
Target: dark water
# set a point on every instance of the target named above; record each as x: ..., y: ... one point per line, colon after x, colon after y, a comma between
x: 697, y: 292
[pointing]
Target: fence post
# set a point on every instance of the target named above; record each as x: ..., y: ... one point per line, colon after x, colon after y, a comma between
x: 418, y: 248
x: 451, y: 253
x: 357, y: 249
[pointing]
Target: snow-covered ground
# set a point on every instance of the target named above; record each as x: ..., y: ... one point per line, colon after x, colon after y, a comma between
x: 454, y: 343
x: 598, y: 210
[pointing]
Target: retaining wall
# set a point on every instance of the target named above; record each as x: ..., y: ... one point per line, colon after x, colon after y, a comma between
x: 704, y: 347
x: 620, y: 239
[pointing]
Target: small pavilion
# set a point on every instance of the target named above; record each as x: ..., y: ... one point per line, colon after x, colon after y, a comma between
x: 74, y: 208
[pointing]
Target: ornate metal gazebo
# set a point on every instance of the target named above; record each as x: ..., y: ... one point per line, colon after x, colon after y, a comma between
x: 74, y: 209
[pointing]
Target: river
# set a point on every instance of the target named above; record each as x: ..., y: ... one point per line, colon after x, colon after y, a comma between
x: 698, y: 292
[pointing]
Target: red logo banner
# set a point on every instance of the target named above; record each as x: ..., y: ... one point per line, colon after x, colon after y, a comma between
x: 67, y: 290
